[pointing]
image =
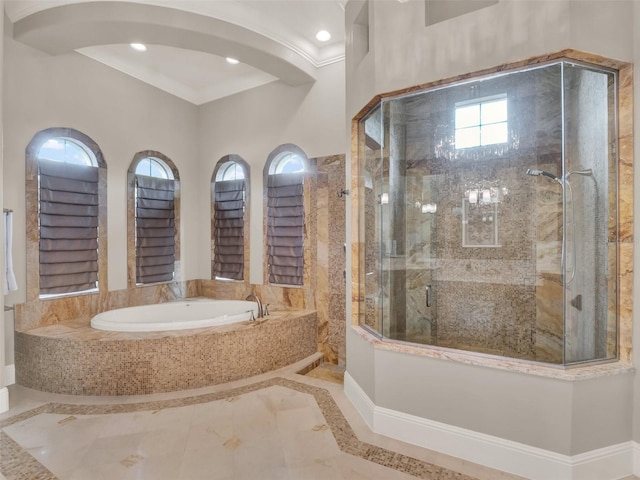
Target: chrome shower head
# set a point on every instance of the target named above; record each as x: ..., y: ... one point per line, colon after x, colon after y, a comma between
x: 587, y: 173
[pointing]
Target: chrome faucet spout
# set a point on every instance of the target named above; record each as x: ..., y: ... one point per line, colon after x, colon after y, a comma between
x: 254, y: 297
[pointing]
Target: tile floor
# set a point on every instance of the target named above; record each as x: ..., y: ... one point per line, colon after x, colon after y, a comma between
x: 275, y: 426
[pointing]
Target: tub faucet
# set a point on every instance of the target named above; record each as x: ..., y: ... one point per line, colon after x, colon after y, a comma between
x: 253, y: 296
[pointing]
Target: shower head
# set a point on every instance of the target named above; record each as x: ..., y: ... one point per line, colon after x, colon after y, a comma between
x: 587, y: 173
x: 537, y: 173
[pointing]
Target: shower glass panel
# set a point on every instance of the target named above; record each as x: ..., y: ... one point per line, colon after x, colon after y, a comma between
x: 489, y: 215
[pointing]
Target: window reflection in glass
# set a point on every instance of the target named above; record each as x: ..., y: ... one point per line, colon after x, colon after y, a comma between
x: 481, y: 123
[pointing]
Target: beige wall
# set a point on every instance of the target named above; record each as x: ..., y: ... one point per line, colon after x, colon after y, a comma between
x: 122, y: 115
x: 403, y: 52
x: 252, y: 124
x: 567, y: 417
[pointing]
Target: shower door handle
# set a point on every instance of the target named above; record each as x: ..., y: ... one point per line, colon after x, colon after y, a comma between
x: 427, y: 296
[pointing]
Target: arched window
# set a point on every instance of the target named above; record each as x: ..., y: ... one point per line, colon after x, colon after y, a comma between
x: 287, y: 162
x: 66, y: 150
x: 154, y: 167
x: 230, y: 170
x: 67, y: 167
x: 229, y: 226
x: 286, y: 169
x: 154, y: 180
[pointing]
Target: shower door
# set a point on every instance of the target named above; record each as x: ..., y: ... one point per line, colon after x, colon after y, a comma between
x: 461, y: 226
x: 590, y: 220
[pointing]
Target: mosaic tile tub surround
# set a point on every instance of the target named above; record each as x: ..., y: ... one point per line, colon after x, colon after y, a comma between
x: 73, y: 358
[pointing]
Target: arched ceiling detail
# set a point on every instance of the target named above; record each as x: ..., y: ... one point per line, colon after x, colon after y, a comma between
x: 71, y: 27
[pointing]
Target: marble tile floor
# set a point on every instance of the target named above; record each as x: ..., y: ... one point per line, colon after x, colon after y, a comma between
x: 274, y: 426
x: 329, y: 372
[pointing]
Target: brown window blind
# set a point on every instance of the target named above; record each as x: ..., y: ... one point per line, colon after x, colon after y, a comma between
x: 155, y: 229
x: 285, y: 228
x: 68, y: 215
x: 228, y: 260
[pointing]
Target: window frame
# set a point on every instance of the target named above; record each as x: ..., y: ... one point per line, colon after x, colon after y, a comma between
x: 220, y: 166
x: 270, y: 168
x: 131, y: 220
x: 32, y: 208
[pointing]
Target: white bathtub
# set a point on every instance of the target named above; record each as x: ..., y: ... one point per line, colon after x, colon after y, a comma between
x: 196, y: 313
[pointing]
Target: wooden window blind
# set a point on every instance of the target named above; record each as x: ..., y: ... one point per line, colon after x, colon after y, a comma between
x: 285, y: 228
x: 68, y: 216
x: 155, y: 229
x: 229, y: 206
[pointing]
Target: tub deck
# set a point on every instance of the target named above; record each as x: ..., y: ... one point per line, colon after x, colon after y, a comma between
x: 73, y: 358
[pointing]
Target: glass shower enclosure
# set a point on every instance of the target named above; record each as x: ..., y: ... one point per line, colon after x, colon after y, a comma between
x: 489, y: 215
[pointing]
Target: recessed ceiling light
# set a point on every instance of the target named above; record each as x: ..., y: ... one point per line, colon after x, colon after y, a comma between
x: 232, y: 61
x: 140, y: 47
x: 323, y: 36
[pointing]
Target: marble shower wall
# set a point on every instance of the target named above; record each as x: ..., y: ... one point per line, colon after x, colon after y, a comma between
x: 331, y: 258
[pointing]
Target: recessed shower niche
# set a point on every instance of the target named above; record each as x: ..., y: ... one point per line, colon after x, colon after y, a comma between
x: 488, y: 214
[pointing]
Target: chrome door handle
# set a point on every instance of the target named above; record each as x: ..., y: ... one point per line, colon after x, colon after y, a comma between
x: 427, y: 295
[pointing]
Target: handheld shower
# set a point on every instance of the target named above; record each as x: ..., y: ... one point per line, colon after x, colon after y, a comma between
x: 537, y: 173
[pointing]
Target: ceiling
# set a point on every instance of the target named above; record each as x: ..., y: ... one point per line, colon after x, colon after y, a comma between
x: 187, y: 41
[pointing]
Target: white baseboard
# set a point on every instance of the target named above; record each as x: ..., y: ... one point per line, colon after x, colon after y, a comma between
x: 636, y: 459
x: 609, y: 463
x: 4, y: 399
x: 9, y: 374
x: 9, y: 379
x: 360, y: 400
